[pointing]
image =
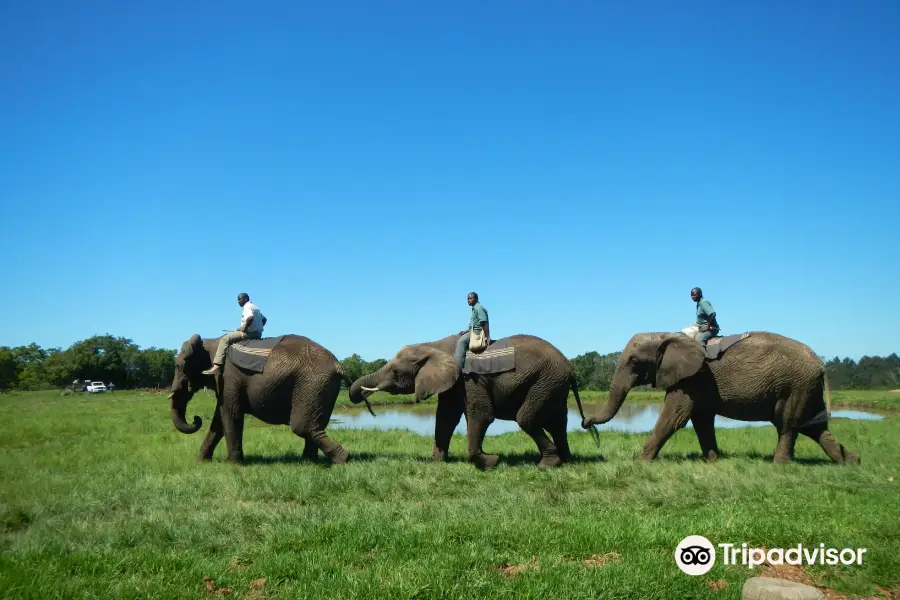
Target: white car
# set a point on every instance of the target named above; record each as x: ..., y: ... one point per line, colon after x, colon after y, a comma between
x: 95, y: 387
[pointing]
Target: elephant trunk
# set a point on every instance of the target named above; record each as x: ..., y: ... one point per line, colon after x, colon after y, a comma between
x: 362, y: 387
x: 622, y: 382
x: 178, y: 410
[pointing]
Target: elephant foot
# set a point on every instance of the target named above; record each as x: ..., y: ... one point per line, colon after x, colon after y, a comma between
x: 781, y: 459
x: 549, y: 462
x: 339, y: 456
x: 712, y: 456
x: 486, y: 462
x: 236, y: 459
x: 438, y: 455
x: 204, y: 458
x: 851, y: 459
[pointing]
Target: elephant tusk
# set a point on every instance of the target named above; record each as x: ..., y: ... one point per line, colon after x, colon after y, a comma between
x: 367, y: 389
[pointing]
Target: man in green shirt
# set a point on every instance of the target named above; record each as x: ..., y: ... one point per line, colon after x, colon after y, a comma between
x: 478, y: 321
x: 706, y: 326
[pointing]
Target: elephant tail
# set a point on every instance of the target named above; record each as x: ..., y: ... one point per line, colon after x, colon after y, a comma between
x: 574, y: 384
x: 824, y: 416
x: 339, y: 368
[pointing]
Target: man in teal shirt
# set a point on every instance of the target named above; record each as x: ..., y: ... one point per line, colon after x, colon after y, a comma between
x: 706, y: 326
x: 477, y: 322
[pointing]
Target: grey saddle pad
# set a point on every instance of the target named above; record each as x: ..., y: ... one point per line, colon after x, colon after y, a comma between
x: 717, y: 346
x: 499, y: 357
x: 252, y: 354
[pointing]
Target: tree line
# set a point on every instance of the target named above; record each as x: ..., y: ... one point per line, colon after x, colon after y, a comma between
x: 109, y: 359
x: 120, y: 361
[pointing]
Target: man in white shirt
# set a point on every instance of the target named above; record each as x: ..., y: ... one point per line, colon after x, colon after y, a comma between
x: 252, y: 323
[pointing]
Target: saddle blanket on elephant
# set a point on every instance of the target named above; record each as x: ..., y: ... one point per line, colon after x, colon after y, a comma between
x: 499, y: 357
x: 252, y: 354
x: 717, y: 346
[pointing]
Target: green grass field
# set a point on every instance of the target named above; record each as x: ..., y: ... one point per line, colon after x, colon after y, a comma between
x: 102, y: 498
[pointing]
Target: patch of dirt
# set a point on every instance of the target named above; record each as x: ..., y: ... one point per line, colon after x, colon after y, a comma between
x: 718, y: 585
x: 212, y: 589
x: 599, y: 560
x: 508, y: 570
x: 256, y: 589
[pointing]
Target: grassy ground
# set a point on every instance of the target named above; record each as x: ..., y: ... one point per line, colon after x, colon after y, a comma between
x: 101, y: 498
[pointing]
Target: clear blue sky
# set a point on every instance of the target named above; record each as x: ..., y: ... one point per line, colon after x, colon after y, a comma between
x: 358, y: 167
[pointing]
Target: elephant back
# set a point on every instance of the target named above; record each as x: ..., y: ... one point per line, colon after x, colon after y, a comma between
x: 299, y: 349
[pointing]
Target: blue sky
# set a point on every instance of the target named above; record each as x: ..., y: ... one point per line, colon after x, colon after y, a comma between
x: 359, y: 167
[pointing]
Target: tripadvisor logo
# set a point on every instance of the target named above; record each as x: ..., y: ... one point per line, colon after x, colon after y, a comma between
x: 696, y: 555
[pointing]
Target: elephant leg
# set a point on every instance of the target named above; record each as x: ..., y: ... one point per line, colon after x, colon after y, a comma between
x: 320, y: 441
x: 674, y: 415
x: 310, y: 449
x: 476, y: 429
x: 449, y: 411
x: 479, y: 415
x: 784, y: 451
x: 315, y: 433
x: 213, y: 436
x: 530, y: 418
x: 834, y: 449
x: 705, y: 428
x: 312, y: 404
x: 558, y: 428
x: 233, y: 424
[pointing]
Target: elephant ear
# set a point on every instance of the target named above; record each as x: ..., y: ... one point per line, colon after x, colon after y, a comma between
x: 678, y: 357
x: 193, y: 345
x: 437, y: 373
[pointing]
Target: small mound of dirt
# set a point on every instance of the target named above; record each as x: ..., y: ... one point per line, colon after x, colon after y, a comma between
x: 212, y: 589
x: 598, y: 560
x: 256, y: 589
x: 508, y: 570
x: 718, y: 585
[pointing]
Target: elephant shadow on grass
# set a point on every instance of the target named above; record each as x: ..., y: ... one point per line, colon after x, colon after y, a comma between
x: 514, y: 459
x: 293, y: 458
x: 751, y: 455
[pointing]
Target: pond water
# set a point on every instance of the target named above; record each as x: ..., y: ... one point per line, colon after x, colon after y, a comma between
x: 631, y: 418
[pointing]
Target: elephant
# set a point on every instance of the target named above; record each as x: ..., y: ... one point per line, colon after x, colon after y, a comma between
x: 298, y: 387
x: 762, y: 377
x: 534, y: 394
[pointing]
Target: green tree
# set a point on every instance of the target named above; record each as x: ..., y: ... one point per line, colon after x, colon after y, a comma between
x: 594, y: 371
x: 59, y: 370
x: 30, y: 366
x: 160, y: 367
x: 354, y: 366
x: 373, y: 366
x: 8, y: 369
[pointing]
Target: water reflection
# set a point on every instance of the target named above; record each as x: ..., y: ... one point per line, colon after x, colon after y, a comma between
x: 631, y: 418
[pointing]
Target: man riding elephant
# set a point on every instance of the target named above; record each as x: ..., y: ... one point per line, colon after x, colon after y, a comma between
x: 706, y: 326
x: 478, y: 323
x: 252, y: 323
